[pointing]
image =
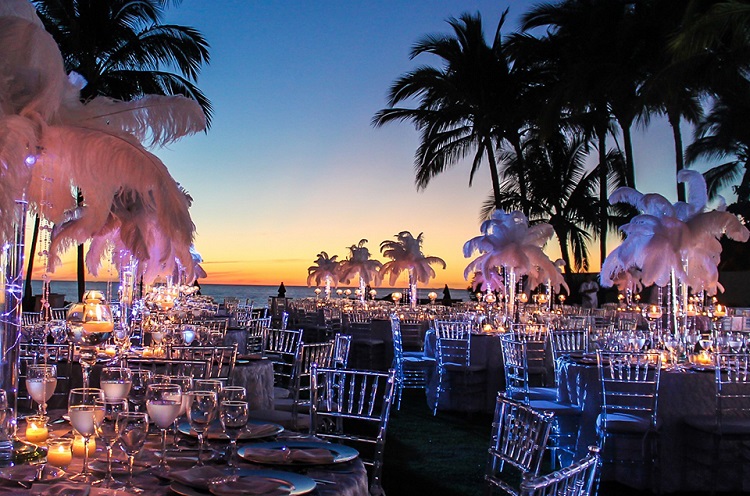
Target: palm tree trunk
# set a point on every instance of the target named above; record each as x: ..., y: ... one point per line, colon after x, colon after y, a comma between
x: 28, y: 294
x: 603, y: 194
x: 81, y: 272
x: 674, y: 121
x: 562, y: 238
x: 493, y: 171
x: 627, y: 141
x: 522, y: 186
x: 743, y: 190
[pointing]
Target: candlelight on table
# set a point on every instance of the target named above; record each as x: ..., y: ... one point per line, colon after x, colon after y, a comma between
x: 79, y: 443
x: 36, y: 429
x: 59, y: 452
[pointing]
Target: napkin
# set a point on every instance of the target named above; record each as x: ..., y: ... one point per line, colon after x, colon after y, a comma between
x: 261, y: 430
x: 269, y: 455
x: 64, y: 489
x: 250, y: 485
x: 197, y: 477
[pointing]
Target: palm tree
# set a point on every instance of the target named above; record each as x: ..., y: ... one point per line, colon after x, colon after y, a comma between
x: 123, y: 51
x: 562, y: 191
x: 588, y: 48
x: 406, y: 255
x: 711, y: 24
x: 470, y: 105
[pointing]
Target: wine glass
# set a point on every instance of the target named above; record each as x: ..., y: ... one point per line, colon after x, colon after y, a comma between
x: 140, y: 380
x: 116, y: 382
x: 735, y: 341
x: 233, y: 416
x: 214, y: 385
x: 90, y: 324
x: 201, y: 410
x: 673, y: 345
x: 132, y: 429
x: 233, y: 393
x: 107, y: 432
x: 706, y: 342
x: 86, y: 411
x: 121, y: 336
x: 186, y: 384
x: 163, y: 402
x: 41, y: 381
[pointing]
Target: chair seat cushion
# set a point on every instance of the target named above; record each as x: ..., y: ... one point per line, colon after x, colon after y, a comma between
x: 367, y: 342
x: 418, y: 360
x: 418, y: 354
x: 282, y: 418
x: 454, y: 367
x: 555, y: 407
x: 626, y: 423
x: 729, y: 425
x: 536, y: 393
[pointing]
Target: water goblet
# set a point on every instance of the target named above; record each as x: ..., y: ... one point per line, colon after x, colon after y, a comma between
x: 233, y: 416
x: 186, y: 384
x: 116, y: 382
x: 735, y: 341
x: 201, y: 410
x: 163, y: 402
x: 41, y: 381
x: 706, y: 342
x: 121, y: 336
x: 107, y: 432
x: 214, y: 385
x: 132, y: 429
x: 86, y: 411
x: 233, y: 393
x: 58, y: 330
x: 140, y: 380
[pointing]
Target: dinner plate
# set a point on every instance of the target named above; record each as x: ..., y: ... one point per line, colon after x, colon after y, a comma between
x: 300, y: 484
x: 340, y: 452
x: 119, y: 467
x: 28, y: 473
x: 252, y: 431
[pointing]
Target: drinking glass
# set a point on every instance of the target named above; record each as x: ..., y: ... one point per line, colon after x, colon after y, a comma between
x: 107, y: 432
x: 233, y: 393
x: 233, y: 416
x: 186, y: 384
x: 41, y: 381
x: 201, y: 410
x: 735, y: 341
x: 116, y: 382
x: 90, y: 324
x: 121, y: 336
x: 163, y: 402
x: 86, y: 411
x: 140, y: 380
x: 214, y: 385
x: 706, y: 342
x: 132, y: 429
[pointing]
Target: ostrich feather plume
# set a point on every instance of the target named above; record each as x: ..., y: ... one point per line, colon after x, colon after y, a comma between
x: 360, y: 263
x: 325, y: 268
x: 508, y: 241
x: 406, y: 256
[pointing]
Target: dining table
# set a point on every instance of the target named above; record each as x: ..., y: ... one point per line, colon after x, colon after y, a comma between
x: 684, y: 456
x: 344, y: 477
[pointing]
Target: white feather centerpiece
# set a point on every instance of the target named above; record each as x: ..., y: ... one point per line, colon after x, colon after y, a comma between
x: 665, y: 238
x: 129, y: 198
x: 406, y: 255
x: 326, y: 270
x: 508, y: 242
x: 360, y: 263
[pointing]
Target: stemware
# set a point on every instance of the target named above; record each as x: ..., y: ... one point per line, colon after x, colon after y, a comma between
x: 132, y: 429
x: 107, y: 432
x: 233, y: 393
x: 41, y: 381
x: 121, y: 336
x: 201, y: 410
x: 233, y: 416
x: 163, y: 402
x: 116, y: 382
x: 86, y: 411
x: 186, y: 384
x: 140, y: 380
x: 706, y: 342
x: 214, y: 385
x: 90, y: 324
x: 735, y: 341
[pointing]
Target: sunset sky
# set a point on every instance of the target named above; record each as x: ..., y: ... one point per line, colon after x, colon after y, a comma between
x: 292, y: 165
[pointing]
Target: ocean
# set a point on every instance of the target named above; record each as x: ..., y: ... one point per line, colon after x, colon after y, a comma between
x: 258, y: 294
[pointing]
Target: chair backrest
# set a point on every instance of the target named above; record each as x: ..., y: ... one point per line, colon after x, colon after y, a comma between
x: 58, y: 313
x: 576, y: 479
x: 255, y: 330
x: 281, y: 346
x: 353, y: 407
x: 197, y: 369
x: 569, y: 340
x: 453, y: 342
x: 732, y: 386
x: 222, y: 359
x: 630, y: 384
x: 518, y: 439
x: 398, y: 348
x: 342, y: 344
x: 515, y: 366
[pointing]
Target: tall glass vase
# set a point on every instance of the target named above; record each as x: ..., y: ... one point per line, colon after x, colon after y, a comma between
x: 510, y: 292
x: 10, y: 306
x: 413, y: 298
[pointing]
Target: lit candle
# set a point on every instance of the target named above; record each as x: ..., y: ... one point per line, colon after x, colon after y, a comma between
x: 720, y: 311
x: 523, y: 298
x: 58, y: 452
x: 690, y: 311
x: 79, y: 443
x: 654, y: 312
x: 36, y: 429
x: 110, y: 350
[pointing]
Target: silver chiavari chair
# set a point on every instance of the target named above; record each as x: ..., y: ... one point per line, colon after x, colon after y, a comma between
x: 341, y: 346
x: 255, y: 330
x: 221, y: 359
x: 577, y: 479
x: 517, y: 443
x: 453, y: 346
x: 281, y: 347
x: 411, y: 367
x: 353, y: 407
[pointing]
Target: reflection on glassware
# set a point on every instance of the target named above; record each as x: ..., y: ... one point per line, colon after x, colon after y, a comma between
x: 233, y: 393
x: 90, y: 324
x: 233, y: 416
x: 86, y: 411
x: 140, y: 380
x: 132, y: 429
x: 107, y: 432
x: 116, y: 382
x: 41, y: 381
x: 163, y: 402
x: 201, y: 410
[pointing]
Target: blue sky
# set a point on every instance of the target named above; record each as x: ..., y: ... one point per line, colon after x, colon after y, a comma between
x: 292, y: 165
